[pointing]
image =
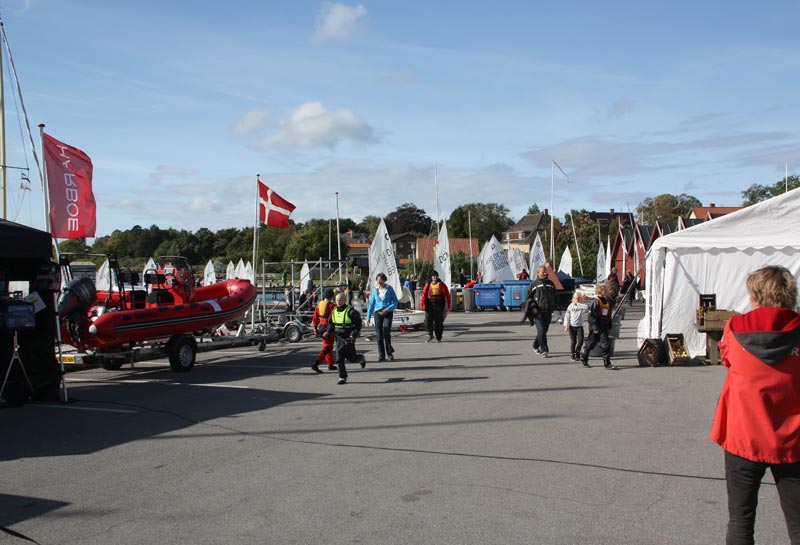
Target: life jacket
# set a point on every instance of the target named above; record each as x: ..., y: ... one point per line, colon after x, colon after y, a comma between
x: 603, y: 309
x: 435, y: 291
x: 323, y: 311
x: 341, y: 318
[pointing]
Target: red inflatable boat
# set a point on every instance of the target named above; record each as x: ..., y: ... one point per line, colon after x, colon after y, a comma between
x: 169, y: 305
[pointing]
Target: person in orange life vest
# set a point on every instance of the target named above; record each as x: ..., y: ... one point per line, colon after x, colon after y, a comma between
x: 757, y: 421
x: 435, y: 301
x: 344, y: 326
x: 320, y: 321
x: 599, y: 325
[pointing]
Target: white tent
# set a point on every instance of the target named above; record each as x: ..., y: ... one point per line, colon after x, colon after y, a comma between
x: 716, y: 257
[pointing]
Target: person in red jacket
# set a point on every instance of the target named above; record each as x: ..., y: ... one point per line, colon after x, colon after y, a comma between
x: 435, y: 301
x: 320, y: 321
x: 757, y: 421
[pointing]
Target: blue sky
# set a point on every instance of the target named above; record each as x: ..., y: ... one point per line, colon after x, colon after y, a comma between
x: 180, y: 104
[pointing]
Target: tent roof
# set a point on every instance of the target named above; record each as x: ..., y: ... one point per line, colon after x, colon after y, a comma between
x: 23, y: 242
x: 772, y: 223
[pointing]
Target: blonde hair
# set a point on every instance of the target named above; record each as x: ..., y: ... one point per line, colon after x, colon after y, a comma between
x: 576, y: 297
x: 773, y: 286
x: 601, y: 287
x: 341, y: 298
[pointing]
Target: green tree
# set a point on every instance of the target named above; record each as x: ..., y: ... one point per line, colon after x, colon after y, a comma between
x: 309, y: 242
x: 487, y: 219
x: 533, y: 209
x: 73, y: 245
x: 369, y: 225
x: 407, y: 218
x: 757, y: 193
x: 666, y: 207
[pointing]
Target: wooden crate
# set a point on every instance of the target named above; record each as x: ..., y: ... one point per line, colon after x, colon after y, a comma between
x: 651, y: 353
x: 717, y: 318
x: 677, y: 353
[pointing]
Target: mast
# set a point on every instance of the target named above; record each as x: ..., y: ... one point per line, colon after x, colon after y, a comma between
x: 438, y: 210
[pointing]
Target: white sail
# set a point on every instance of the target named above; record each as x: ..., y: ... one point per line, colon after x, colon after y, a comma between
x: 305, y: 276
x: 382, y: 259
x: 537, y: 256
x: 209, y: 274
x: 565, y: 265
x: 517, y: 260
x: 608, y: 258
x: 480, y: 258
x: 230, y: 271
x: 248, y: 273
x: 496, y: 268
x: 103, y: 278
x: 441, y: 256
x: 240, y: 272
x: 149, y: 266
x: 601, y: 263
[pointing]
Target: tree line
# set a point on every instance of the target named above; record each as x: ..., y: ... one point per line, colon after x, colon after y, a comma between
x: 317, y: 237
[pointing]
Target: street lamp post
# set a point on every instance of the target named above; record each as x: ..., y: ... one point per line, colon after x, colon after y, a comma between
x: 413, y: 246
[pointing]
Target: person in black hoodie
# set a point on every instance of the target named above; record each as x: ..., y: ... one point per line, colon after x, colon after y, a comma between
x: 599, y: 325
x: 345, y: 324
x: 542, y: 293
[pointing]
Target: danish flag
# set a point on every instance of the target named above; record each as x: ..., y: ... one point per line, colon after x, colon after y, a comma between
x: 273, y: 209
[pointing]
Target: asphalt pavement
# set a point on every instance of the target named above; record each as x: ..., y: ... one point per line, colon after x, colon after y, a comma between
x: 474, y: 440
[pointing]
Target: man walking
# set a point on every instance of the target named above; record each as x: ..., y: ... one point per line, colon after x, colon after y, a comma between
x: 543, y: 293
x: 345, y: 325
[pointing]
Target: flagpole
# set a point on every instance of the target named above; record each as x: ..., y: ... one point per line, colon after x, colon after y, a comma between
x: 469, y: 232
x: 255, y: 242
x: 338, y: 237
x: 552, y: 212
x: 2, y: 125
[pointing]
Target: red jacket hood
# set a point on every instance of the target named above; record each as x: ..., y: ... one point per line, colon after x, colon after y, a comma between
x: 769, y: 334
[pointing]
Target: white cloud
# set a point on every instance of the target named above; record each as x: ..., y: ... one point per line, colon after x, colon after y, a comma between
x: 311, y: 125
x: 166, y: 171
x: 250, y: 122
x: 337, y: 22
x: 203, y: 205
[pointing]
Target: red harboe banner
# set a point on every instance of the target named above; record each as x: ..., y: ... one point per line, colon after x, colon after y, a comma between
x: 69, y: 187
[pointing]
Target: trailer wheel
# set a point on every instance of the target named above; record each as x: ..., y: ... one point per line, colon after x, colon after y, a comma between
x: 182, y: 354
x: 403, y: 328
x: 111, y: 365
x: 292, y: 333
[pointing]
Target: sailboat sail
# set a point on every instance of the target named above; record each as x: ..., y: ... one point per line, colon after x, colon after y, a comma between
x: 496, y: 268
x: 305, y: 276
x: 209, y: 274
x: 565, y: 265
x: 517, y: 261
x: 601, y: 263
x: 382, y: 259
x: 441, y: 253
x: 537, y: 255
x: 230, y: 271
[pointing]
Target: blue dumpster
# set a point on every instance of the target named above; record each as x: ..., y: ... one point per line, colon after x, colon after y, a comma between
x: 487, y: 295
x: 515, y: 292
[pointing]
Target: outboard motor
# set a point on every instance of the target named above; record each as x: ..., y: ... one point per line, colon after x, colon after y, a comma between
x: 78, y: 297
